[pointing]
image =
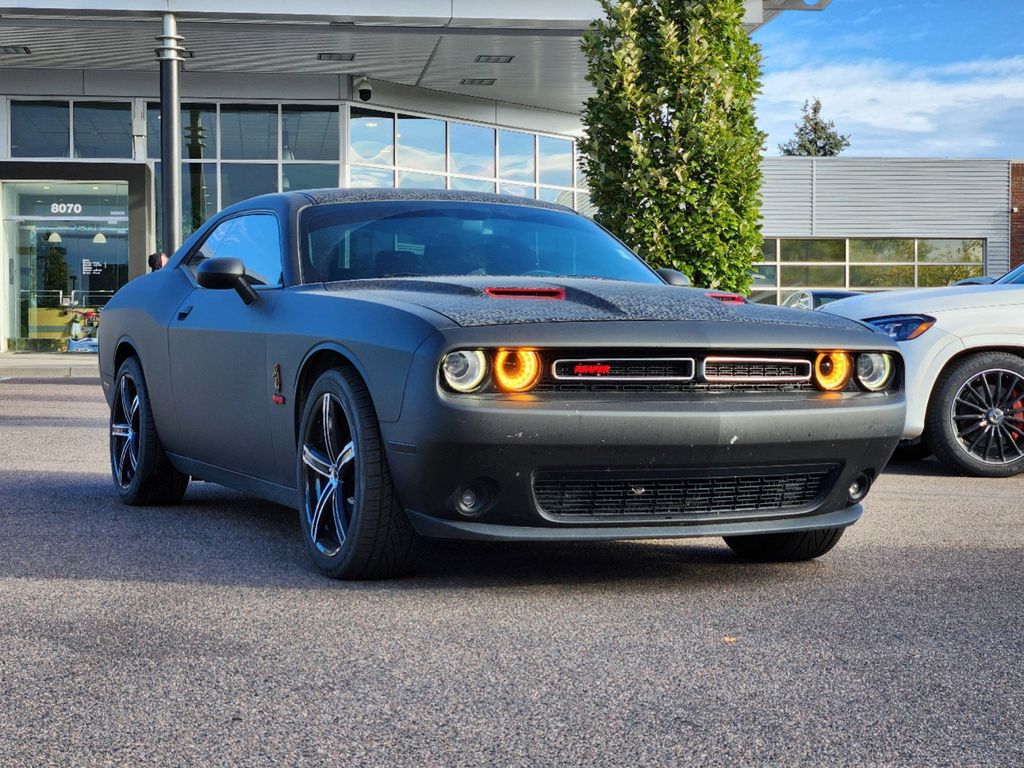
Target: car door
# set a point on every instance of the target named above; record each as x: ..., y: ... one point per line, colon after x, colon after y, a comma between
x: 217, y: 349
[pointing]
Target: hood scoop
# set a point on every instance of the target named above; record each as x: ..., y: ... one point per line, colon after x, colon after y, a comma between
x: 556, y: 294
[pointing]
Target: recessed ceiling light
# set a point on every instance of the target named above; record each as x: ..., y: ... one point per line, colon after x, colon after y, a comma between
x: 477, y: 81
x: 14, y: 50
x: 336, y: 56
x: 494, y: 59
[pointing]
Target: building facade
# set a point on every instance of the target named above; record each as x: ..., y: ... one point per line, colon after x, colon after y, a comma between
x: 463, y: 94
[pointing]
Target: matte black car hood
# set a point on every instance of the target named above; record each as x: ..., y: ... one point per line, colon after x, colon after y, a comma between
x: 465, y: 302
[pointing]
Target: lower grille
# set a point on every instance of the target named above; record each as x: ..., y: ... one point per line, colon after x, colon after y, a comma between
x: 681, y: 493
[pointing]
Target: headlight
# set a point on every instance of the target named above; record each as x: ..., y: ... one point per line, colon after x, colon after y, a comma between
x: 874, y: 370
x: 516, y: 370
x: 832, y: 370
x: 464, y: 370
x: 902, y: 327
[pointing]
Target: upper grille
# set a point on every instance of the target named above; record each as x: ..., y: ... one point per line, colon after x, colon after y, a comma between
x: 756, y: 369
x: 678, y: 494
x: 629, y: 369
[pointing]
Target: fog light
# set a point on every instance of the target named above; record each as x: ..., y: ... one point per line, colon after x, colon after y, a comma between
x: 472, y: 500
x: 468, y: 499
x: 859, y: 488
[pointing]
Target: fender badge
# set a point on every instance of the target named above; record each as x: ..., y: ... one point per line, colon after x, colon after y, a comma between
x: 277, y: 378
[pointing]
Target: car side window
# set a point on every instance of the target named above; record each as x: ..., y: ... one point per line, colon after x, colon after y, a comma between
x: 254, y: 238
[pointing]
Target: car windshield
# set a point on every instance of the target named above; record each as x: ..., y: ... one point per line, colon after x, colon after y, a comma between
x: 1013, y: 277
x: 358, y: 241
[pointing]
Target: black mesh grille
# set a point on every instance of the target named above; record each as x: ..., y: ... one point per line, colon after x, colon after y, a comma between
x: 667, y: 495
x: 748, y: 369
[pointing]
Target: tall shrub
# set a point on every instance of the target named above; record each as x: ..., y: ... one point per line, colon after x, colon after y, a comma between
x: 672, y: 153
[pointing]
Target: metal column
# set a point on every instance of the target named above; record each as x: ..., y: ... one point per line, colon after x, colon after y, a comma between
x: 169, y: 56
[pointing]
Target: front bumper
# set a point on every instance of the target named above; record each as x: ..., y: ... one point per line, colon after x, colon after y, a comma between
x: 443, y: 444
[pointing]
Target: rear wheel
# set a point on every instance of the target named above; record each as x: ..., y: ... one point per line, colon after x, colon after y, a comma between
x: 976, y: 415
x: 352, y: 521
x: 782, y: 547
x: 141, y: 470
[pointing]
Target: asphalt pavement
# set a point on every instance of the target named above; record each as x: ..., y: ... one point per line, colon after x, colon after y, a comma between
x: 200, y: 635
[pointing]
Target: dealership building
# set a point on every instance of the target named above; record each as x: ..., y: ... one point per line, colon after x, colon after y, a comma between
x: 457, y: 94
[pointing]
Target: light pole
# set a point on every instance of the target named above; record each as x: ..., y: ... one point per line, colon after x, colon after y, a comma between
x: 169, y: 56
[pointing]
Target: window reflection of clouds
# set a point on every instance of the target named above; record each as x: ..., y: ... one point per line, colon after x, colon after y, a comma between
x: 515, y: 156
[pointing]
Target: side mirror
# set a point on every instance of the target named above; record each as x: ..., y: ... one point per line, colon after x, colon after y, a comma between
x: 224, y: 273
x: 674, y: 277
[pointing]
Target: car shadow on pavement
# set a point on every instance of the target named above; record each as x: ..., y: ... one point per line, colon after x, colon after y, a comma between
x: 930, y: 467
x: 76, y: 528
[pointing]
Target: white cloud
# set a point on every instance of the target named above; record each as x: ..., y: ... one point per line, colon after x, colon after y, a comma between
x: 972, y: 108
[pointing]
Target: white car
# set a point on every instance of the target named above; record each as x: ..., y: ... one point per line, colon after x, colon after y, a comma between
x: 963, y: 350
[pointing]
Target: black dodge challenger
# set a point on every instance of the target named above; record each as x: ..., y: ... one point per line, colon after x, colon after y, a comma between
x: 407, y: 364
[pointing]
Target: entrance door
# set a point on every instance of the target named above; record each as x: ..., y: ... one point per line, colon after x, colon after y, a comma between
x: 65, y: 253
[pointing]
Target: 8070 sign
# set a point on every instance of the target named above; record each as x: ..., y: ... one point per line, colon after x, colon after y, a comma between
x: 66, y: 208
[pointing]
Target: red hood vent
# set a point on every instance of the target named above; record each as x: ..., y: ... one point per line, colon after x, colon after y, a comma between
x: 558, y: 294
x: 726, y: 298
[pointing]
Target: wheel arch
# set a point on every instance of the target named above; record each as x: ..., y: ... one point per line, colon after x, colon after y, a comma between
x: 318, y: 360
x: 963, y: 354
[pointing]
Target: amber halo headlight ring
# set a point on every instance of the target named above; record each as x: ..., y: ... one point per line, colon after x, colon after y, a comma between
x: 464, y: 370
x: 516, y: 370
x: 875, y: 370
x: 832, y: 370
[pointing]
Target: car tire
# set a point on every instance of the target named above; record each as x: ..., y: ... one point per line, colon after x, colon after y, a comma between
x: 352, y: 522
x: 975, y: 419
x: 909, y: 451
x: 785, y: 547
x: 143, y: 475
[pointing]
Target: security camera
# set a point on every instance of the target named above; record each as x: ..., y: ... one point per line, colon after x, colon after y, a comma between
x: 363, y: 88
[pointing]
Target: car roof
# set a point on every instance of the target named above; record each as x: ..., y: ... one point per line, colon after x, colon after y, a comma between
x: 340, y: 195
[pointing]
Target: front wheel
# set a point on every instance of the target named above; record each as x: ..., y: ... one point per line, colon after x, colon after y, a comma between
x: 352, y: 521
x: 785, y: 547
x: 975, y: 420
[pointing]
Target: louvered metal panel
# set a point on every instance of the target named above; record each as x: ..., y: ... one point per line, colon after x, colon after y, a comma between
x: 891, y: 197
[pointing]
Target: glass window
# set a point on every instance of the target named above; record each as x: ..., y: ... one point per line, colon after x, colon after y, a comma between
x: 372, y: 137
x: 308, y: 176
x: 813, y: 250
x: 103, y: 130
x: 764, y: 297
x: 387, y: 239
x: 951, y: 251
x: 253, y: 238
x: 240, y: 181
x: 198, y: 131
x: 560, y: 196
x: 472, y: 185
x: 882, y: 277
x: 472, y: 150
x: 309, y: 133
x: 40, y: 129
x: 769, y: 249
x: 515, y: 156
x: 882, y: 250
x: 585, y: 205
x: 198, y: 196
x: 581, y: 176
x: 420, y: 180
x: 765, y: 276
x: 813, y: 276
x: 555, y: 159
x: 359, y: 178
x: 248, y: 132
x: 517, y: 190
x: 934, y: 275
x: 421, y: 143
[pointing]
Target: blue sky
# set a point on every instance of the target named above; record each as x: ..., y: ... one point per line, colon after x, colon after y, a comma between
x: 933, y: 78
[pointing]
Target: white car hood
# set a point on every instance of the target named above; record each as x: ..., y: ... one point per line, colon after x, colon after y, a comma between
x: 928, y: 301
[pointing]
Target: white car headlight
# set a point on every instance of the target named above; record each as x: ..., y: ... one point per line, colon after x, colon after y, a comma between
x: 902, y: 327
x: 464, y: 370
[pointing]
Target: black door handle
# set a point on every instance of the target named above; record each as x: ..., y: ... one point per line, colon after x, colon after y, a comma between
x: 183, y: 313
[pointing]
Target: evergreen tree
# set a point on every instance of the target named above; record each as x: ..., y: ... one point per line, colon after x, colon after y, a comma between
x: 815, y: 136
x: 672, y: 150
